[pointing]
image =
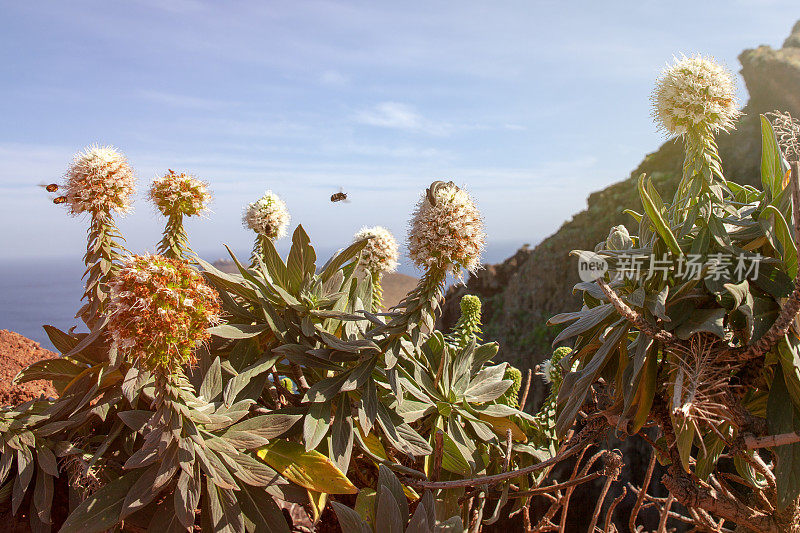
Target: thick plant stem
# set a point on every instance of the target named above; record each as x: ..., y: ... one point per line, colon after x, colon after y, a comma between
x: 175, y: 243
x: 702, y: 170
x: 103, y: 254
x: 377, y: 292
x: 257, y: 254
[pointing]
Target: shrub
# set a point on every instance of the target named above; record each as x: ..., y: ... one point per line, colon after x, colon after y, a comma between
x: 200, y: 397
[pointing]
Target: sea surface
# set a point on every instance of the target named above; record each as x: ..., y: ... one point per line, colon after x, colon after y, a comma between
x: 34, y: 292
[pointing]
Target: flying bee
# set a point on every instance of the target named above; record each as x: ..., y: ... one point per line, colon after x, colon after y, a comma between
x: 340, y: 196
x: 52, y: 187
x: 59, y: 200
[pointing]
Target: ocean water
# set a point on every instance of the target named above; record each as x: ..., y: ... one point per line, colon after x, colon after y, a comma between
x: 34, y: 292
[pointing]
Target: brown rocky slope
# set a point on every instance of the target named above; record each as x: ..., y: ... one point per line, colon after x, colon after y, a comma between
x: 16, y: 353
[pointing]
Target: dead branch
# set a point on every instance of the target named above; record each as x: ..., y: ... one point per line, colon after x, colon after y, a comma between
x: 662, y: 522
x: 752, y: 442
x: 640, y: 496
x: 525, y: 391
x: 610, y: 513
x: 437, y: 454
x: 558, y: 486
x: 633, y: 317
x: 568, y: 495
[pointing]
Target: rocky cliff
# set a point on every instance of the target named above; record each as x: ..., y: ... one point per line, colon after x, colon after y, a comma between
x: 521, y: 293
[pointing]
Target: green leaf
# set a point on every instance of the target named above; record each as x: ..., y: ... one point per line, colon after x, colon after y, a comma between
x: 241, y: 380
x: 59, y: 369
x: 387, y: 514
x: 587, y: 320
x: 212, y: 382
x: 654, y: 213
x: 349, y: 520
x: 771, y: 167
x: 262, y: 511
x: 309, y: 469
x: 316, y: 424
x: 388, y: 482
x: 326, y: 389
x: 301, y: 261
x: 101, y: 510
x: 342, y: 434
x: 255, y: 431
x: 340, y: 258
x: 781, y: 238
x: 237, y: 331
x: 783, y: 417
x: 64, y: 342
x: 576, y: 385
x: 276, y: 268
x: 705, y: 320
x: 790, y: 363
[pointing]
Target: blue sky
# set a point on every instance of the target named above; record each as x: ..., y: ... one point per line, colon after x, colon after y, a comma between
x: 531, y: 105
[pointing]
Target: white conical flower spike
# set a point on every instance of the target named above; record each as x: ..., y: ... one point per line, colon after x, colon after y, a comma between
x: 695, y: 93
x: 99, y: 181
x: 447, y: 229
x: 267, y: 216
x: 380, y: 254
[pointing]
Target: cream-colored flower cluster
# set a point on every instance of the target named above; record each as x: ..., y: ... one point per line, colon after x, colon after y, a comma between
x: 380, y: 253
x: 267, y: 216
x: 179, y: 194
x: 695, y: 92
x: 447, y: 229
x: 99, y: 181
x: 159, y: 312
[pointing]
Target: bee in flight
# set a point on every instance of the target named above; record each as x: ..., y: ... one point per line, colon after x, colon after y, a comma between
x: 59, y: 199
x: 53, y: 187
x: 340, y: 196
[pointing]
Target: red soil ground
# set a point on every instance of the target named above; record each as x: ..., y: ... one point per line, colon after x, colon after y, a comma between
x: 16, y: 353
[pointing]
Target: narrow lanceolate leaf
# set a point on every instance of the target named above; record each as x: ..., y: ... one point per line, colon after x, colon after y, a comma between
x: 342, y: 434
x: 309, y: 469
x: 576, y: 385
x: 301, y: 260
x: 240, y: 381
x: 262, y: 511
x: 501, y: 425
x: 212, y: 381
x: 662, y: 228
x: 388, y: 482
x: 783, y: 417
x: 59, y: 369
x: 342, y: 257
x: 771, y: 168
x: 64, y: 342
x: 101, y: 510
x: 387, y: 514
x: 256, y: 431
x: 316, y: 424
x: 237, y: 331
x: 350, y: 520
x: 187, y: 496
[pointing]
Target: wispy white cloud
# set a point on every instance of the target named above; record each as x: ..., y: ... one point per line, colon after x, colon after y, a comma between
x: 400, y: 116
x: 175, y: 6
x: 182, y: 100
x: 334, y: 78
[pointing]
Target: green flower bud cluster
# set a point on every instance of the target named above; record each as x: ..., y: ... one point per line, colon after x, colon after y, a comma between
x: 469, y: 323
x: 511, y: 396
x: 552, y: 372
